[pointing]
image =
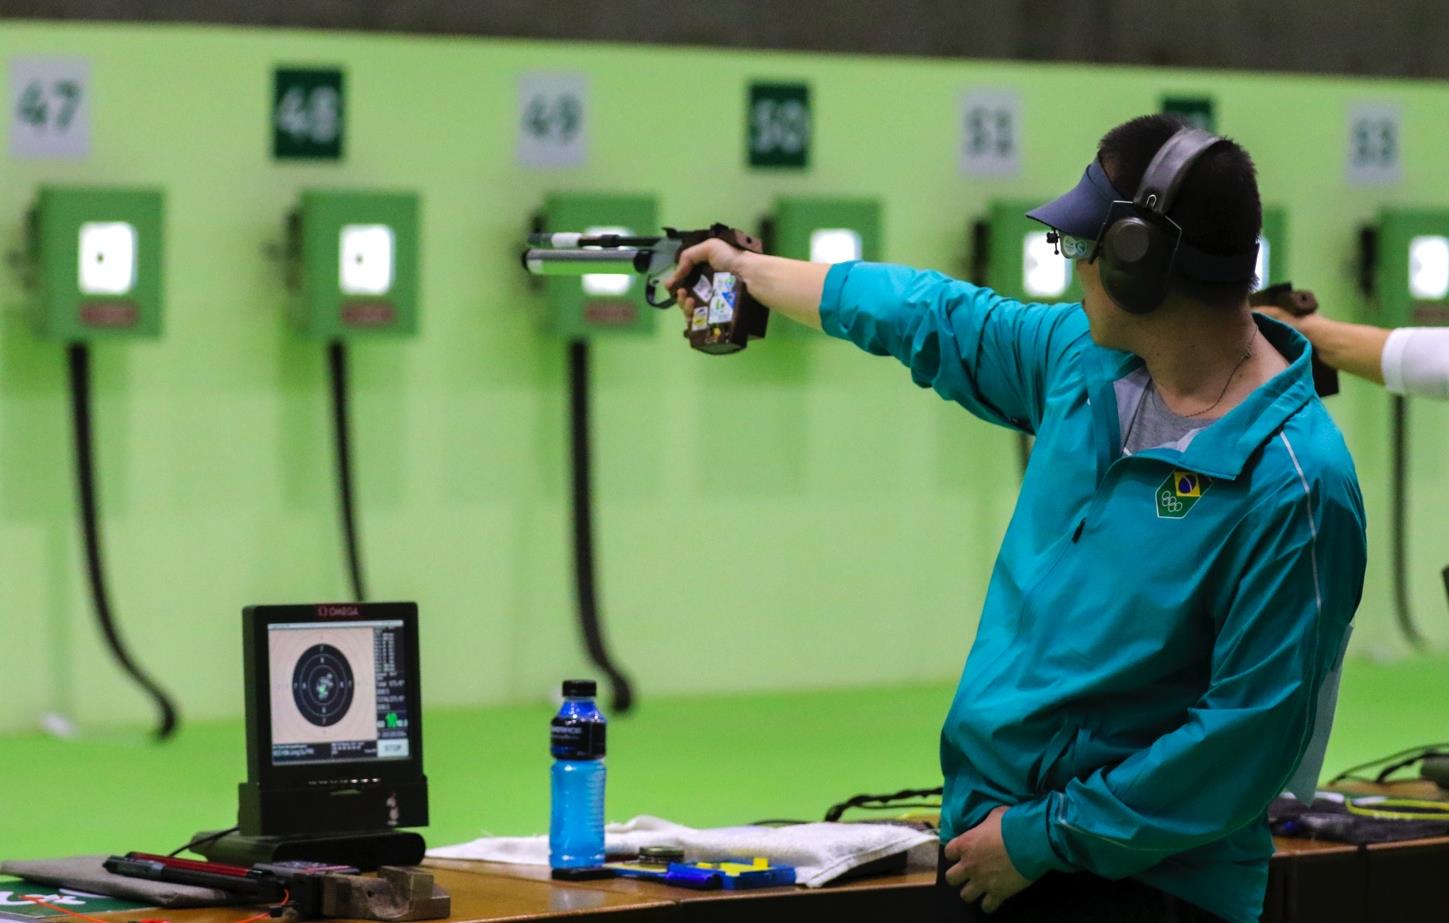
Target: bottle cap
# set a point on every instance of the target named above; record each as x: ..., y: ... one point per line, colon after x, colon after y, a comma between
x: 660, y: 855
x: 580, y: 688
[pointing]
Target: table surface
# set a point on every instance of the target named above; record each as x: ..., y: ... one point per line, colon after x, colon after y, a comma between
x: 489, y: 891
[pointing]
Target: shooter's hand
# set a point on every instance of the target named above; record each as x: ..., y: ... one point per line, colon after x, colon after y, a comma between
x: 982, y: 867
x: 716, y: 254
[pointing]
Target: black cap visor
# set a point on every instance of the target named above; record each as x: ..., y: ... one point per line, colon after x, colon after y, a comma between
x: 1081, y: 212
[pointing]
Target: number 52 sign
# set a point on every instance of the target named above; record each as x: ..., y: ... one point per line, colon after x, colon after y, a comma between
x: 50, y: 109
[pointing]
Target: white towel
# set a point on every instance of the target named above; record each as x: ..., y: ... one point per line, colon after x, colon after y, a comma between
x: 820, y: 853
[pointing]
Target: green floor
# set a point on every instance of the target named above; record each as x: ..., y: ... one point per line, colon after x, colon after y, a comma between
x: 696, y: 760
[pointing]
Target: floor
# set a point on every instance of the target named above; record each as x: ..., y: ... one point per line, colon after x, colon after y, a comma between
x: 699, y: 761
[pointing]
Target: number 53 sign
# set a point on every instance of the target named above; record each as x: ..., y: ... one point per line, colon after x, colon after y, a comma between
x: 50, y: 111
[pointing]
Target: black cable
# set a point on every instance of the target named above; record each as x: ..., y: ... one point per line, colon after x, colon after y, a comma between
x: 880, y: 801
x: 1405, y: 763
x: 80, y: 396
x: 1399, y: 541
x: 341, y: 429
x: 1446, y: 581
x: 202, y: 841
x: 622, y: 694
x: 1424, y: 749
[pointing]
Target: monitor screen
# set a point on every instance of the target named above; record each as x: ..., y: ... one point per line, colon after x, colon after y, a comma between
x: 338, y: 691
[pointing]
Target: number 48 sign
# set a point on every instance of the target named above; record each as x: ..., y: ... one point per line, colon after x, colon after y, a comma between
x: 50, y: 110
x: 307, y: 114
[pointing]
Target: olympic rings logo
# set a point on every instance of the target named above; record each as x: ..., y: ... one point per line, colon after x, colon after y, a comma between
x: 1169, y: 502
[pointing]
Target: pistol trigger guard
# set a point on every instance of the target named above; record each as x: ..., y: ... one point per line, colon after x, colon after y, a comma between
x: 654, y: 283
x: 662, y: 261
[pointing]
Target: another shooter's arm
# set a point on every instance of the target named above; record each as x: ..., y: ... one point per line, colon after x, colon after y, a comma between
x: 789, y: 287
x: 1355, y: 348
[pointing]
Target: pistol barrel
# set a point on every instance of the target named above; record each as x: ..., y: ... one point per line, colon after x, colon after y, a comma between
x: 572, y: 240
x: 545, y: 262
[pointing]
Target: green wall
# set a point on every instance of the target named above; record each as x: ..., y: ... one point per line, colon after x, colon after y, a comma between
x: 871, y: 514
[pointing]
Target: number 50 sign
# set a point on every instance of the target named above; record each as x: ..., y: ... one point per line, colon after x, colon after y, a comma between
x: 50, y: 110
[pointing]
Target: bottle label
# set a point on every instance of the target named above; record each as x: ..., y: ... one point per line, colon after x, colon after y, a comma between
x: 575, y: 739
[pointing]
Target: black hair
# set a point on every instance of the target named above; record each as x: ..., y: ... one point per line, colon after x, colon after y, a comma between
x: 1217, y: 205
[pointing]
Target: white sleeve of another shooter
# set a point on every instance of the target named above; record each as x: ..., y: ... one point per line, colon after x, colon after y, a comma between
x: 1416, y: 362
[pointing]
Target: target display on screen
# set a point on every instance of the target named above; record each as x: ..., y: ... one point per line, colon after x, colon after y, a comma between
x: 322, y: 685
x: 338, y: 691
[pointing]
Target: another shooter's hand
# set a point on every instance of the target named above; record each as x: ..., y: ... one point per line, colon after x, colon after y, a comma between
x: 716, y: 254
x: 983, y: 871
x: 1305, y: 324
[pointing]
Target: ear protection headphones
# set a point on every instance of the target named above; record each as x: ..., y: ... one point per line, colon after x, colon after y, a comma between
x: 1139, y: 247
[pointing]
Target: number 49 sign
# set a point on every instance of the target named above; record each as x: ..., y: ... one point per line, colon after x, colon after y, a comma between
x: 553, y: 120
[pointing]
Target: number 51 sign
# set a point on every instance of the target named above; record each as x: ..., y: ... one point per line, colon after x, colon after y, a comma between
x: 50, y: 109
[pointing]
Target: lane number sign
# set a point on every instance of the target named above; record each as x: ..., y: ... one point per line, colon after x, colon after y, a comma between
x: 990, y: 140
x: 778, y: 125
x: 553, y: 123
x: 308, y: 114
x: 1375, y: 135
x: 50, y: 107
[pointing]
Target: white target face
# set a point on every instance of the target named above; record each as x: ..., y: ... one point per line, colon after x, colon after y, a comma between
x: 1264, y: 267
x: 607, y: 284
x: 1429, y: 267
x: 1045, y: 273
x: 367, y: 253
x: 835, y: 245
x: 107, y: 258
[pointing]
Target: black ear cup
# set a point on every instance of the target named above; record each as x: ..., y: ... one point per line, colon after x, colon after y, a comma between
x: 1136, y: 257
x: 1137, y: 249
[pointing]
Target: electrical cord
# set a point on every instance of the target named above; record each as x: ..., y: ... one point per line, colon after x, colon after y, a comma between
x: 272, y: 911
x: 341, y: 430
x: 80, y: 393
x: 1399, y: 538
x: 621, y: 692
x: 201, y: 841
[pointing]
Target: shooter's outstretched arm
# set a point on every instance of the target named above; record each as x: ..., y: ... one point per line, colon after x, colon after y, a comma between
x: 789, y: 287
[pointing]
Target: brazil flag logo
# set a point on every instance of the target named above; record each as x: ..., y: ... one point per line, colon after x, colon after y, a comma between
x: 1179, y: 492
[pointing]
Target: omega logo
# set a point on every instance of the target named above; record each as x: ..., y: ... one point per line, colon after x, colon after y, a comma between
x: 337, y: 612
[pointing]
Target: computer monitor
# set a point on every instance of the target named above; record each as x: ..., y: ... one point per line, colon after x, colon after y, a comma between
x: 334, y: 719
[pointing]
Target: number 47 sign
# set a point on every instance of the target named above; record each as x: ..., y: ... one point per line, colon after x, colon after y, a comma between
x: 50, y: 111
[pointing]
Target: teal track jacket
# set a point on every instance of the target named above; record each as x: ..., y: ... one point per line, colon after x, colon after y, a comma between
x: 1158, y: 627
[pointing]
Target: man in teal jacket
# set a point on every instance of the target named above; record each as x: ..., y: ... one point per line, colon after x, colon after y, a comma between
x: 1158, y: 651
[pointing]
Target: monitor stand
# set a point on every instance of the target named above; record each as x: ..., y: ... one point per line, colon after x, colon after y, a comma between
x: 365, y: 851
